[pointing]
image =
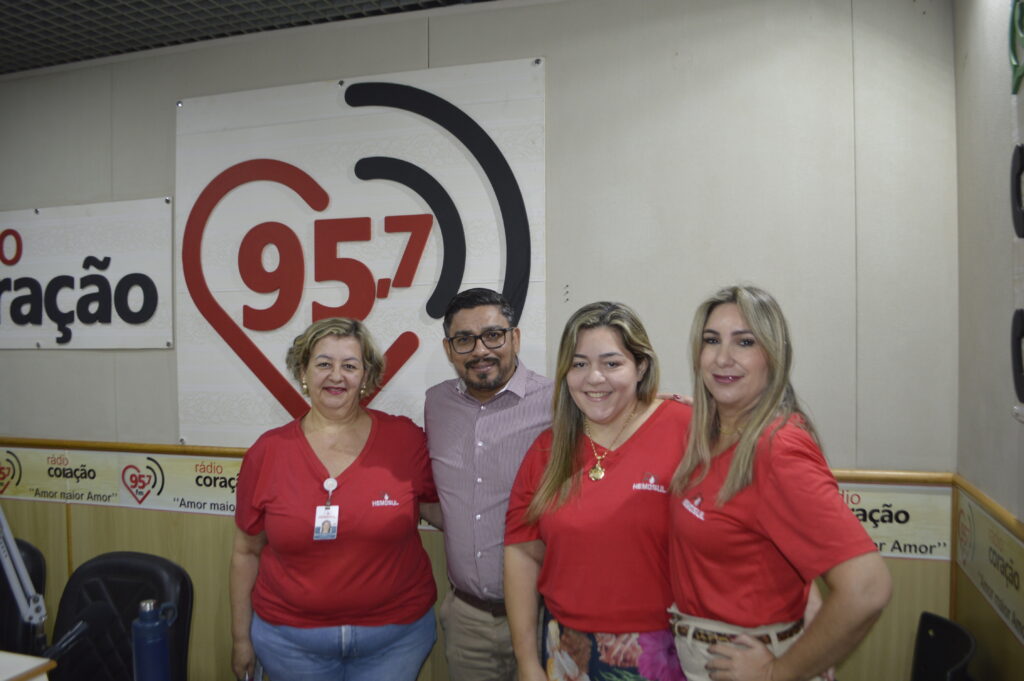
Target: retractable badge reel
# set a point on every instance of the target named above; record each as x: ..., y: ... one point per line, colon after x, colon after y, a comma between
x: 325, y: 524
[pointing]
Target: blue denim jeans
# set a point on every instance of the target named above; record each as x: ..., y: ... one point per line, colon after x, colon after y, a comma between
x: 346, y: 653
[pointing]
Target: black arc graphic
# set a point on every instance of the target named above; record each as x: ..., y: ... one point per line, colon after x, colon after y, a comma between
x: 503, y: 181
x: 453, y: 264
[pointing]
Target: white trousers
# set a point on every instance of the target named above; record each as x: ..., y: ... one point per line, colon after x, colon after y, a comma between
x: 692, y: 648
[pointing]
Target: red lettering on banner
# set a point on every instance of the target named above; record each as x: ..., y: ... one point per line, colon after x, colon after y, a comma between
x: 327, y: 234
x: 10, y: 236
x: 287, y: 279
x: 136, y: 482
x: 418, y: 227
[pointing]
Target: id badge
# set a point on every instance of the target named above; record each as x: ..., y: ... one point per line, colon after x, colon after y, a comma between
x: 326, y: 525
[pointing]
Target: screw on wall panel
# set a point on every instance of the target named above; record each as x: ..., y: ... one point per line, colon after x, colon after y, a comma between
x: 168, y: 343
x: 179, y: 104
x: 341, y: 83
x: 38, y: 345
x: 538, y: 61
x: 37, y: 211
x: 167, y: 199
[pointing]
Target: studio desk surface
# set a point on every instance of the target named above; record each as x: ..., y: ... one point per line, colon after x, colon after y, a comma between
x: 17, y: 667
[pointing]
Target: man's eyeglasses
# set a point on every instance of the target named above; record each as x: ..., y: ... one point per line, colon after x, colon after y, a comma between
x: 464, y: 343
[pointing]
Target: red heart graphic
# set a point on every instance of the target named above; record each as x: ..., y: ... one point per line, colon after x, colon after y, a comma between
x: 136, y: 482
x: 267, y: 170
x: 6, y: 475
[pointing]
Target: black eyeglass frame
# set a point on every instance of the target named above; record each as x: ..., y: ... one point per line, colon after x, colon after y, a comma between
x: 479, y: 337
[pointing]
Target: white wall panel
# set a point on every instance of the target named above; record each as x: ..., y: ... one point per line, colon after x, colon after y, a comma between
x: 690, y: 144
x: 694, y: 147
x: 55, y: 136
x: 67, y: 394
x: 991, y: 442
x: 906, y: 235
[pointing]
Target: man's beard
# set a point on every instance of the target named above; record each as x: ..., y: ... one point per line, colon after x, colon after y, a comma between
x: 499, y: 379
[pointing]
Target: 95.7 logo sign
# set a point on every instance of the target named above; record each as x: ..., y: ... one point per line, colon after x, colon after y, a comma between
x: 142, y: 478
x: 376, y: 199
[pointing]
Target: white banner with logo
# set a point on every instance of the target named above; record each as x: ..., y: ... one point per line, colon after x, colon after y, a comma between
x: 375, y: 198
x: 90, y: 276
x: 992, y: 559
x: 163, y: 482
x: 904, y: 521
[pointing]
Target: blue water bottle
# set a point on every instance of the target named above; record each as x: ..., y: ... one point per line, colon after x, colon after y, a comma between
x: 151, y: 650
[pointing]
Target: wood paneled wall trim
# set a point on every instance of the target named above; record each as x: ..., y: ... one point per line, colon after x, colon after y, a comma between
x: 97, y: 446
x: 1004, y: 517
x: 893, y: 477
x: 1001, y: 515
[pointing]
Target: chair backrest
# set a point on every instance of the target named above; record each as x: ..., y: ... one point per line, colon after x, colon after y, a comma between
x: 121, y: 579
x: 15, y: 635
x: 942, y: 650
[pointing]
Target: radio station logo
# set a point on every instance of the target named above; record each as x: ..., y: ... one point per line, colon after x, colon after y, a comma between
x: 365, y: 289
x: 10, y: 470
x: 141, y: 482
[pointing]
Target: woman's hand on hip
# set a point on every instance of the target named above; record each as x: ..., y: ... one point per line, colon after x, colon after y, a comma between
x: 744, y: 659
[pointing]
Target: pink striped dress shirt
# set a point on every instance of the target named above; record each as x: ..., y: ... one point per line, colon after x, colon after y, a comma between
x: 475, y: 452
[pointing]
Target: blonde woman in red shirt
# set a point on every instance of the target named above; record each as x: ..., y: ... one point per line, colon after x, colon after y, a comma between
x: 756, y: 515
x: 587, y: 524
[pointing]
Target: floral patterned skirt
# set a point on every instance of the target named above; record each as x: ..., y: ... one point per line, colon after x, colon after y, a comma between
x: 571, y: 655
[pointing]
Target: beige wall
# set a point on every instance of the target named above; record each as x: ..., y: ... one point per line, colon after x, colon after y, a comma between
x: 888, y: 650
x: 848, y: 155
x: 807, y: 146
x: 991, y: 442
x: 999, y: 656
x: 990, y: 450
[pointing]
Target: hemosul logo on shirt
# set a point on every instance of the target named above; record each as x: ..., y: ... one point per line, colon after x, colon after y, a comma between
x: 384, y: 500
x: 649, y: 483
x: 694, y: 506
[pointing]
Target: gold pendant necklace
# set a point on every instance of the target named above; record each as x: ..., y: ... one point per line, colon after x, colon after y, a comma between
x: 597, y: 470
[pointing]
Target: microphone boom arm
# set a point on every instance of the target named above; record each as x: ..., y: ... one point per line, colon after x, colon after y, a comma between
x: 30, y: 603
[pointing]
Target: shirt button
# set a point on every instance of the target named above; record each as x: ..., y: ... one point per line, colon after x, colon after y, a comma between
x: 479, y: 444
x: 483, y: 407
x: 478, y: 554
x: 479, y: 480
x: 478, y: 516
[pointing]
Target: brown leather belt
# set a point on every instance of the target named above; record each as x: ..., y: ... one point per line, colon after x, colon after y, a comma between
x: 495, y: 608
x: 706, y: 636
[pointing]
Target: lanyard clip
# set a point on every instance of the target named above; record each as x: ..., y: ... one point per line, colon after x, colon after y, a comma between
x: 330, y: 484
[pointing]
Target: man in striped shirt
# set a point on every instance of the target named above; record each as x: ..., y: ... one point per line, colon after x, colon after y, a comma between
x: 479, y: 426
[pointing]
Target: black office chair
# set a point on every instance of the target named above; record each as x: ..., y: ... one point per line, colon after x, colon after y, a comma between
x: 15, y: 635
x: 942, y: 650
x: 119, y: 581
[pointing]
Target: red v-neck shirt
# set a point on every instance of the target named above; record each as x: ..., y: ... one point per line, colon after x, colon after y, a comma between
x: 750, y: 561
x: 375, y: 572
x: 606, y: 549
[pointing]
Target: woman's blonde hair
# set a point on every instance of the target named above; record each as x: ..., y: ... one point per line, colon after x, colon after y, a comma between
x: 298, y: 354
x: 560, y: 476
x: 778, y: 402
